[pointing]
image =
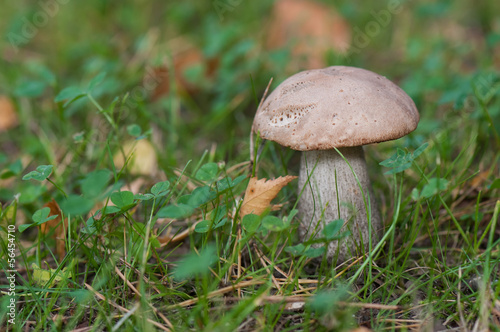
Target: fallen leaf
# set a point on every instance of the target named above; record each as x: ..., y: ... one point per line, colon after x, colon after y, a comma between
x: 295, y: 306
x: 182, y: 60
x: 310, y: 29
x: 480, y: 179
x: 41, y: 276
x: 142, y: 162
x: 59, y: 228
x: 8, y: 115
x: 260, y: 193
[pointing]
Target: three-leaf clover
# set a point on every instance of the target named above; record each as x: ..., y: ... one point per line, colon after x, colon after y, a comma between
x: 39, y: 217
x: 41, y: 173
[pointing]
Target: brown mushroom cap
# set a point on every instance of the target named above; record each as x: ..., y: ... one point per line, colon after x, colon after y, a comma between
x: 335, y: 107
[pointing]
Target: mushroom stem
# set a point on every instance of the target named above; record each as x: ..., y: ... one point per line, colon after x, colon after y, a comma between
x: 334, y: 193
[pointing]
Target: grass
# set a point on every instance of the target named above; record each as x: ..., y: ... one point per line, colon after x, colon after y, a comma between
x: 175, y: 257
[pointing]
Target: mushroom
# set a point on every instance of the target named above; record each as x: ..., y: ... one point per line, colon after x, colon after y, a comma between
x: 323, y: 111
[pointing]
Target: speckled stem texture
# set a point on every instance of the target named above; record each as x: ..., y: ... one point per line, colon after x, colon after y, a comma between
x: 331, y: 172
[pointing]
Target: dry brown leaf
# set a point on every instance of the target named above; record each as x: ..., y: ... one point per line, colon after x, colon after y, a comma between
x: 311, y: 28
x: 8, y: 115
x: 260, y: 193
x: 480, y: 179
x: 60, y: 229
x: 181, y: 61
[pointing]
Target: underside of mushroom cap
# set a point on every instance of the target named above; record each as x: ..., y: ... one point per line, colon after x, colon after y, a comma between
x: 335, y: 107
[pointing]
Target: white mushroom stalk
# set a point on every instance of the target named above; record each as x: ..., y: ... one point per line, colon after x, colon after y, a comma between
x: 316, y: 111
x: 335, y: 189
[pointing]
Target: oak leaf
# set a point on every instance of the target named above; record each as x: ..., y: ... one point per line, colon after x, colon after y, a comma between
x: 260, y: 193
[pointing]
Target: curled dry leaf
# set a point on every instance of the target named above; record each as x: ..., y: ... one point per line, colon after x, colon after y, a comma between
x: 60, y: 228
x: 8, y: 115
x: 260, y: 193
x: 311, y: 28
